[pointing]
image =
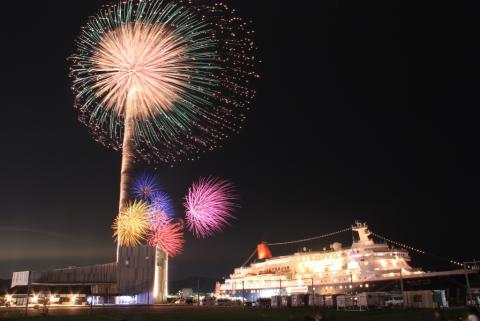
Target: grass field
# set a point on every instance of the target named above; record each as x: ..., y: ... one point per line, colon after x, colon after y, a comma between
x: 230, y: 314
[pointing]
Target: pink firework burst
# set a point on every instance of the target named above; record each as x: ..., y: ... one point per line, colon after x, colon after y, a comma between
x: 157, y: 217
x: 168, y: 236
x: 209, y: 205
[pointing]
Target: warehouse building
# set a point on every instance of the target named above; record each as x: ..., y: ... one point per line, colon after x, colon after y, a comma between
x: 140, y: 276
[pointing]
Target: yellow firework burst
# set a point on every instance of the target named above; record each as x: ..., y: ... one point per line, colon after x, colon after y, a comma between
x: 131, y: 225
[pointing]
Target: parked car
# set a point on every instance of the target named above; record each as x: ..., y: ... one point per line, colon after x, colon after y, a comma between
x: 224, y: 302
x: 208, y: 300
x: 80, y: 300
x: 394, y: 301
x: 249, y: 304
x: 264, y: 303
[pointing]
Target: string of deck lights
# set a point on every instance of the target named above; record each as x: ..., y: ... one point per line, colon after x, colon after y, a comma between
x: 411, y: 248
x: 299, y: 241
x: 250, y: 257
x: 402, y: 245
x: 312, y: 238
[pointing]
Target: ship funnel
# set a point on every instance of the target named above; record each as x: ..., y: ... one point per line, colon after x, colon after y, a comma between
x: 263, y: 251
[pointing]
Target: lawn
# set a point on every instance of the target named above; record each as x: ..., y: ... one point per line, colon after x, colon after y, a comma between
x: 233, y: 314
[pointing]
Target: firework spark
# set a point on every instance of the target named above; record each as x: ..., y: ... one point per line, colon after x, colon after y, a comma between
x: 174, y: 77
x: 145, y: 186
x: 142, y: 66
x: 161, y: 202
x: 131, y: 225
x: 209, y: 204
x: 168, y: 236
x: 163, y: 80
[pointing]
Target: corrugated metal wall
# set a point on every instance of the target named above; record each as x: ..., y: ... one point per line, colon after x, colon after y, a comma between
x: 136, y: 269
x: 106, y: 273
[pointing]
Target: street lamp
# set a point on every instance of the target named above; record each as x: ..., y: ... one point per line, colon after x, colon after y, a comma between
x: 351, y: 282
x: 474, y: 265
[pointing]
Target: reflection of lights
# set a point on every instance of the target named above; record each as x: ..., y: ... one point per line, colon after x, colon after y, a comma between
x: 35, y: 299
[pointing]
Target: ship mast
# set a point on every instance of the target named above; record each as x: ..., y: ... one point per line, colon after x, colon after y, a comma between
x: 363, y: 235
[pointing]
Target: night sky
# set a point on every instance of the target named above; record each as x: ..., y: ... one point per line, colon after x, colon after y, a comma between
x: 362, y: 113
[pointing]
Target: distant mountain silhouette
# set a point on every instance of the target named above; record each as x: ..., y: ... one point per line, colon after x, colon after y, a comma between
x: 4, y: 285
x: 207, y: 285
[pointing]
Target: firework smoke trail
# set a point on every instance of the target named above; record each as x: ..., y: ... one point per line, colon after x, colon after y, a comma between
x: 131, y: 225
x: 163, y: 81
x: 209, y: 204
x: 168, y: 236
x: 127, y: 160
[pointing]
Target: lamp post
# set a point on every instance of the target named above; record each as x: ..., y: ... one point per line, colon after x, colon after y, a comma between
x: 313, y: 296
x: 467, y: 283
x: 243, y: 293
x: 351, y: 283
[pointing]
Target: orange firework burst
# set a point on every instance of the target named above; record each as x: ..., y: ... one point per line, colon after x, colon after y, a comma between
x: 140, y: 66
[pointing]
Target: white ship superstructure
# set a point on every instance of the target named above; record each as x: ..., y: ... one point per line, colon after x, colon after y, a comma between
x: 330, y: 271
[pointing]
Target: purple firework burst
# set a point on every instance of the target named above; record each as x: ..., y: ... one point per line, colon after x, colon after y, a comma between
x: 209, y: 204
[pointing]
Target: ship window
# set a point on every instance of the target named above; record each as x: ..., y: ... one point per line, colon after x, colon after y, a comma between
x: 417, y: 299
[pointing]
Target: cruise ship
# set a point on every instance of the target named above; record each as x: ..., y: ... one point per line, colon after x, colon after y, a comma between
x: 364, y: 266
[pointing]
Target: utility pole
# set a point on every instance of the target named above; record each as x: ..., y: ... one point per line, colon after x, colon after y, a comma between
x: 91, y: 299
x: 401, y: 289
x: 28, y: 293
x: 198, y: 292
